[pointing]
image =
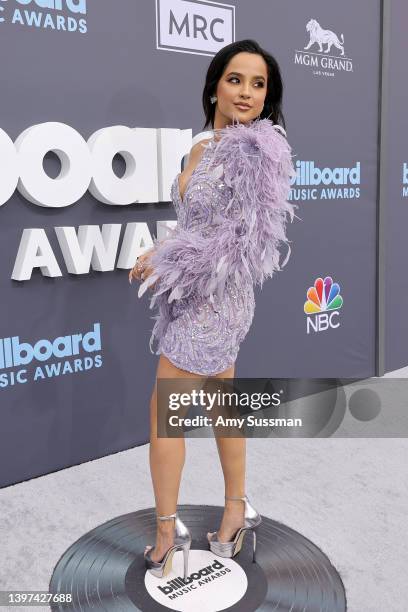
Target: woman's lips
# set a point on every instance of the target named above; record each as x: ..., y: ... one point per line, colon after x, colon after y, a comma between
x: 243, y: 108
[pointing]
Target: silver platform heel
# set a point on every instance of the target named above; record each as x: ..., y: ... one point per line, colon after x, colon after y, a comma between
x: 230, y: 549
x: 182, y: 541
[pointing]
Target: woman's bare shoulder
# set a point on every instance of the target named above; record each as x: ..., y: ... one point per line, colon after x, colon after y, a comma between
x: 195, y: 155
x: 198, y: 149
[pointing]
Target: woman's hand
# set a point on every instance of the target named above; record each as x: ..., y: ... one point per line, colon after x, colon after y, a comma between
x: 141, y: 270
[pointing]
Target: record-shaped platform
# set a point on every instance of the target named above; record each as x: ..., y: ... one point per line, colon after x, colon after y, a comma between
x: 104, y: 570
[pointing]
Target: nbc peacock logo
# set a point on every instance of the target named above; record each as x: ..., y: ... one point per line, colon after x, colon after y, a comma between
x: 323, y: 304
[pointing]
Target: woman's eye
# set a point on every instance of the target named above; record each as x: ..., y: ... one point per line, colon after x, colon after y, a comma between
x: 237, y: 79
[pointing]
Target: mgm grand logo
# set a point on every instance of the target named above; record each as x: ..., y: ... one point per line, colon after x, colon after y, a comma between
x: 324, y: 52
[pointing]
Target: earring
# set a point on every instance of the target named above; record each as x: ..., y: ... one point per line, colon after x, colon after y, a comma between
x: 213, y: 99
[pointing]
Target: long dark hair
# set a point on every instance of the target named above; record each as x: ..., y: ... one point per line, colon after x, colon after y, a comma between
x: 273, y: 100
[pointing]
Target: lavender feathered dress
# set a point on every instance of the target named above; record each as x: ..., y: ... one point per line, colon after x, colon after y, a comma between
x: 231, y: 223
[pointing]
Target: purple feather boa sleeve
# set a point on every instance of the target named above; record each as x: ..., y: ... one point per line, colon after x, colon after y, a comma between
x: 257, y: 164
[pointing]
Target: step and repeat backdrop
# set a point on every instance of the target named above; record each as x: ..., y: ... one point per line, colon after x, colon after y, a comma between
x: 100, y: 101
x: 396, y: 193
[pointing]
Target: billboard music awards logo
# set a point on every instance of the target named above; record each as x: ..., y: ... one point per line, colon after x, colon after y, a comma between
x: 323, y: 304
x: 188, y: 26
x: 60, y: 15
x: 87, y: 166
x: 405, y: 180
x: 314, y: 183
x: 324, y: 52
x: 63, y: 355
x: 211, y: 583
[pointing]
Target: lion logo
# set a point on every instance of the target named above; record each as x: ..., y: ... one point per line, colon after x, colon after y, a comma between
x: 320, y: 36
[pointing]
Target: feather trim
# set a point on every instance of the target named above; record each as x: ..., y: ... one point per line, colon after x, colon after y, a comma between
x: 258, y: 167
x: 256, y: 159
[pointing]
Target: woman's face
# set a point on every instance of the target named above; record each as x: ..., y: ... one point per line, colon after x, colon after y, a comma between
x: 244, y: 81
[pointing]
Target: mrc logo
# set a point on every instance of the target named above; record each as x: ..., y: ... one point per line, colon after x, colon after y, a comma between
x: 323, y: 304
x: 188, y: 26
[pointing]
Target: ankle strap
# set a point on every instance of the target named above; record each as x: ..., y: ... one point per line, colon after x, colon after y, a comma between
x: 165, y: 518
x: 236, y: 498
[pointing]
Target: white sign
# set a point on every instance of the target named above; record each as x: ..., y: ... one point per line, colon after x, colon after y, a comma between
x: 152, y: 159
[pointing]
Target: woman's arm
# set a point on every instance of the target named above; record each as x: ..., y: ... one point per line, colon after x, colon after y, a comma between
x: 142, y: 266
x: 257, y: 165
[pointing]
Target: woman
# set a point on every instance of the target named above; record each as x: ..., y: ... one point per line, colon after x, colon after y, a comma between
x: 231, y: 204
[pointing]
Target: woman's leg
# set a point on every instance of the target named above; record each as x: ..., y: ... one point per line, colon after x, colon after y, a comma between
x: 232, y: 453
x: 167, y: 456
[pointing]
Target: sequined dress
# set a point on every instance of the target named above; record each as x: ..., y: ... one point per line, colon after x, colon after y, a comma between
x: 205, y: 274
x: 204, y: 335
